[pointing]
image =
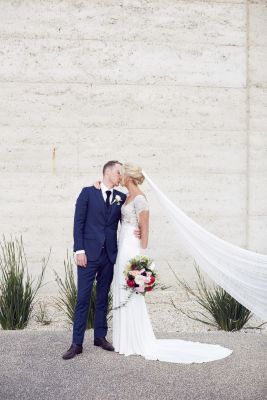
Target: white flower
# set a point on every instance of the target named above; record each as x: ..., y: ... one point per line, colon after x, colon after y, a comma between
x: 152, y: 266
x: 117, y: 199
x: 139, y: 279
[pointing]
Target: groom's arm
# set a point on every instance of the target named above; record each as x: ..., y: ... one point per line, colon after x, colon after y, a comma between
x: 79, y: 219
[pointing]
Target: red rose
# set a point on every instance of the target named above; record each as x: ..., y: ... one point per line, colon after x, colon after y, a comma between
x: 149, y: 288
x: 152, y: 279
x: 130, y: 283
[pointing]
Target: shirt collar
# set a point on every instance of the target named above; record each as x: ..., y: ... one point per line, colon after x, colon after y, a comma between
x: 104, y: 188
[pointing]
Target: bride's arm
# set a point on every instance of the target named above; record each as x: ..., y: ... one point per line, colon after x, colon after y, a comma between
x: 144, y: 228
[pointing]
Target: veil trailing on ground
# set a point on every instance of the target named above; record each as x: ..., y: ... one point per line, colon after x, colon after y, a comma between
x: 240, y: 272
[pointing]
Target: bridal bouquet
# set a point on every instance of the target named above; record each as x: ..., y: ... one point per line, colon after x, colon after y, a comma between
x: 140, y: 274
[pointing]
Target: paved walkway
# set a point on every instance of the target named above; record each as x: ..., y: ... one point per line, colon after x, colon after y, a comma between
x: 31, y: 368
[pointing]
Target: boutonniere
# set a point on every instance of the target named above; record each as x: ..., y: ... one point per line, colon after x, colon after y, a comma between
x: 117, y: 200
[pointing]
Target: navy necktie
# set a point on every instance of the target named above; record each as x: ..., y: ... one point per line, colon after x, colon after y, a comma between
x: 108, y: 192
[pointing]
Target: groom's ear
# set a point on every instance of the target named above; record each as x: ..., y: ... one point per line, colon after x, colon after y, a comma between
x: 110, y: 164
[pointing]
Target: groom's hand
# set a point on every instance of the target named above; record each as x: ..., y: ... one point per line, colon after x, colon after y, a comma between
x: 97, y: 184
x: 137, y: 233
x: 81, y: 260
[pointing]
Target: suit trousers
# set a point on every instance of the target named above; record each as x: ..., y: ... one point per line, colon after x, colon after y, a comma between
x: 102, y: 270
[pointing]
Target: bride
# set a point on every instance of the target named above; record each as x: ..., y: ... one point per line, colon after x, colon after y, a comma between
x: 132, y: 328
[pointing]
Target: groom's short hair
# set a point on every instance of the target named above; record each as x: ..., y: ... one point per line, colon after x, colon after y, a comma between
x: 110, y: 164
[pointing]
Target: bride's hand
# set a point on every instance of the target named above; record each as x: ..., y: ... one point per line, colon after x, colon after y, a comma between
x: 97, y: 184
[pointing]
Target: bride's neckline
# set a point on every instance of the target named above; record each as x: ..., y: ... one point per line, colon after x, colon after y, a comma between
x: 126, y: 204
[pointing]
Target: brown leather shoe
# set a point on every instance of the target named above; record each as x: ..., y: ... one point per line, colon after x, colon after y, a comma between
x: 73, y: 351
x: 102, y: 342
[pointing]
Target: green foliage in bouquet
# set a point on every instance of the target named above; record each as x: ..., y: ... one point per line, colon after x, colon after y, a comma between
x: 17, y: 288
x: 224, y: 312
x: 68, y: 295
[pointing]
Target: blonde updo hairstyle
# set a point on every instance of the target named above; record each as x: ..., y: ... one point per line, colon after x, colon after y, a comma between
x: 134, y: 172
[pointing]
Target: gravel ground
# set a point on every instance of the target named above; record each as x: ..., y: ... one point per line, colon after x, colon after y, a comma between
x: 164, y: 317
x: 31, y: 368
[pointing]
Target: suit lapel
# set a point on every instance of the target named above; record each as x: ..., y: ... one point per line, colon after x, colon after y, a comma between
x: 113, y: 205
x: 101, y: 201
x: 107, y: 212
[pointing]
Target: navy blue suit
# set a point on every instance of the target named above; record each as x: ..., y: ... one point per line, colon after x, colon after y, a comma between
x: 95, y: 231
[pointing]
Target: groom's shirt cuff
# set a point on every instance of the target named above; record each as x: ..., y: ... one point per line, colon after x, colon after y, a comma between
x: 80, y: 252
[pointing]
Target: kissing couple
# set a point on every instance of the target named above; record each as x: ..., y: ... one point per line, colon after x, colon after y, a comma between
x: 100, y: 210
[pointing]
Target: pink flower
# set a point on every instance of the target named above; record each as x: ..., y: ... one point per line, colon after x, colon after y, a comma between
x: 140, y: 289
x: 146, y: 279
x: 134, y: 273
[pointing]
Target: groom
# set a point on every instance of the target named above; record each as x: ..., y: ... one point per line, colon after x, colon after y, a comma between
x: 96, y: 219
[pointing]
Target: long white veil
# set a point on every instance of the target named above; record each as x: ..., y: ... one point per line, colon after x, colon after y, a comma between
x: 242, y: 273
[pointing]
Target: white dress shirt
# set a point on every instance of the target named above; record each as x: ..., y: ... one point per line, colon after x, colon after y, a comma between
x: 103, y: 188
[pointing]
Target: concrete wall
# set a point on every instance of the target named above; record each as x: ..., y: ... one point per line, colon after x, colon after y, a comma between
x: 177, y: 86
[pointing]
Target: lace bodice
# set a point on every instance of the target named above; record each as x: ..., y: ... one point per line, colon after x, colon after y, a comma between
x: 131, y: 211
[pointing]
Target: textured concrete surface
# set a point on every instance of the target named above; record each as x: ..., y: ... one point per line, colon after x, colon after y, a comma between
x: 31, y: 367
x: 177, y: 86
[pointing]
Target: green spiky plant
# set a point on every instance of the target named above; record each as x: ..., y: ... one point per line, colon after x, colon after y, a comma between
x: 17, y: 288
x: 221, y: 310
x: 66, y: 300
x: 41, y: 315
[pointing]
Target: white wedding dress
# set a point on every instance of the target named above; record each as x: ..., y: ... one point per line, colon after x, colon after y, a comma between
x: 132, y: 328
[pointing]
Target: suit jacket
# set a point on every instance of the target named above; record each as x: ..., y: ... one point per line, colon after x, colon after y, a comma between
x: 95, y: 224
